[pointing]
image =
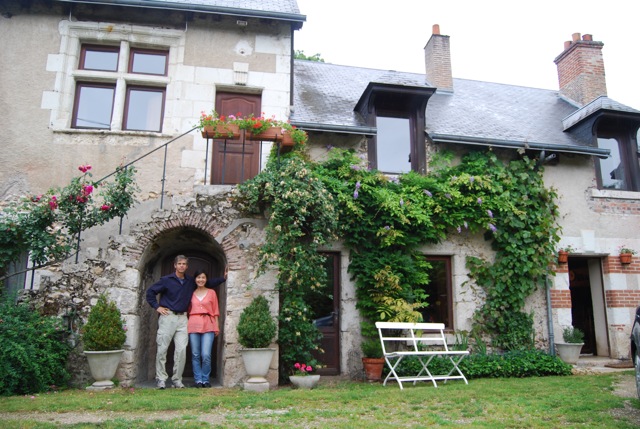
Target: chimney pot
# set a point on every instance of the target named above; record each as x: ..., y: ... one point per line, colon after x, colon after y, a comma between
x: 575, y: 37
x: 436, y: 29
x: 567, y: 44
x: 587, y: 38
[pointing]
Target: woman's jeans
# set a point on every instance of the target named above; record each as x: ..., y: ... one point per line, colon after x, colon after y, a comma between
x: 201, y: 345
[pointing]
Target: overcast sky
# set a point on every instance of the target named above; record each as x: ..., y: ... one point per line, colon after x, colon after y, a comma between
x: 512, y: 42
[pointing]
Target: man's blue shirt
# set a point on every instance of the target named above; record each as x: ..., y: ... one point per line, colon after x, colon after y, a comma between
x: 176, y: 295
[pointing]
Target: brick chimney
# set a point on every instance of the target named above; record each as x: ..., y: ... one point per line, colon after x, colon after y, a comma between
x: 437, y: 58
x: 581, y: 69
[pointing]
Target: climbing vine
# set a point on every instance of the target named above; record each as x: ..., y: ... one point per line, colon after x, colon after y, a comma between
x: 385, y: 220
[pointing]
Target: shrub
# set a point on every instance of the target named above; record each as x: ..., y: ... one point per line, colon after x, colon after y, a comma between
x: 371, y: 348
x: 515, y: 364
x: 572, y: 335
x: 105, y: 328
x: 256, y: 328
x: 33, y: 350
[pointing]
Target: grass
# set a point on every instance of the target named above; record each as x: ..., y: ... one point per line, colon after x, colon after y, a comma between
x: 549, y: 402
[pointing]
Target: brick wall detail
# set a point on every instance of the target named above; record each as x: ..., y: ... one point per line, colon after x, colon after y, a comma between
x: 622, y: 298
x: 560, y: 298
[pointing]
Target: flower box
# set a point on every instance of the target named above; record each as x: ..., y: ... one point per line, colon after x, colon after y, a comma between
x: 221, y: 131
x: 271, y: 135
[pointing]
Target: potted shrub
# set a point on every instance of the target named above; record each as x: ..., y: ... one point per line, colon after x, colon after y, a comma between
x: 256, y: 331
x: 625, y: 254
x: 372, y: 359
x: 569, y: 351
x: 103, y: 337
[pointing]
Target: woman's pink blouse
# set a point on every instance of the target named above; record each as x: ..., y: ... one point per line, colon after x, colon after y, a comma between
x: 203, y: 314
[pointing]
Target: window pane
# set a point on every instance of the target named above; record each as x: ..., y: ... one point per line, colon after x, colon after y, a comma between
x: 612, y: 171
x: 100, y: 59
x: 148, y: 63
x: 393, y: 144
x: 144, y: 110
x: 95, y: 104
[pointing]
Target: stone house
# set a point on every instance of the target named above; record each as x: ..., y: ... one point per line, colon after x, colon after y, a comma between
x: 124, y: 82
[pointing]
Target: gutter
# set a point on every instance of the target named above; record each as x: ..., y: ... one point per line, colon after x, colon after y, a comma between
x: 203, y: 8
x: 312, y: 126
x: 514, y: 144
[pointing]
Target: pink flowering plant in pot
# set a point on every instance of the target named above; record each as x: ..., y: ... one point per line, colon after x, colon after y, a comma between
x: 302, y: 369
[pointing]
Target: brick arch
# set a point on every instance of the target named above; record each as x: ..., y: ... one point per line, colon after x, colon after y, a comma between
x: 145, y: 234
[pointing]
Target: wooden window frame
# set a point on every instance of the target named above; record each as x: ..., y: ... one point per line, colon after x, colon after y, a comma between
x: 100, y: 48
x: 76, y: 103
x: 135, y: 51
x: 130, y: 88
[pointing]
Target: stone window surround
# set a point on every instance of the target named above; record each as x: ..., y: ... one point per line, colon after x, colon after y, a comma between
x: 65, y: 64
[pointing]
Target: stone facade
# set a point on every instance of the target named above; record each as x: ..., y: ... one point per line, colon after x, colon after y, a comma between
x: 179, y: 213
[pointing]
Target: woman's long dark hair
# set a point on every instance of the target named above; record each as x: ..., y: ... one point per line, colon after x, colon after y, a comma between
x: 198, y: 272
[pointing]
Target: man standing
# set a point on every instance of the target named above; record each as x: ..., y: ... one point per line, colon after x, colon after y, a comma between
x: 176, y: 290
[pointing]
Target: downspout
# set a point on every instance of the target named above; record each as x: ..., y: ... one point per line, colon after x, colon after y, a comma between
x: 552, y: 347
x: 291, y: 71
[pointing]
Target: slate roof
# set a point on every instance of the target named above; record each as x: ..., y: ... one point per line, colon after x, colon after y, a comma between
x: 482, y: 113
x: 275, y: 9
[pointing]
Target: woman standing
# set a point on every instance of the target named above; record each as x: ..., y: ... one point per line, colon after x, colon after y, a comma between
x: 202, y: 327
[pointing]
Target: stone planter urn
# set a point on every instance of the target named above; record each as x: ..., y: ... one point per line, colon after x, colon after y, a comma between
x: 569, y: 352
x: 257, y: 363
x: 305, y: 381
x: 103, y: 366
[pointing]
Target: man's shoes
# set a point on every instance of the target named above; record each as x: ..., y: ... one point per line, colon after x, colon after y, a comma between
x: 178, y: 385
x: 199, y: 385
x: 207, y: 384
x: 160, y: 384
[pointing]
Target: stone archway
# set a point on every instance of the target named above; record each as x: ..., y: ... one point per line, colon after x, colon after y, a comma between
x: 205, y: 252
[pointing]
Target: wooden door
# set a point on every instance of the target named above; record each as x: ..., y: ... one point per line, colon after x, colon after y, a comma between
x: 235, y: 161
x: 325, y: 310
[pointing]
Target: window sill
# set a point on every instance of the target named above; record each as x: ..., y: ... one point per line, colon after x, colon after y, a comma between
x: 112, y: 132
x: 621, y: 195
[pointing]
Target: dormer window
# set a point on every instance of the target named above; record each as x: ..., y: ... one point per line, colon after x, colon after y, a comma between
x: 397, y: 112
x: 621, y: 171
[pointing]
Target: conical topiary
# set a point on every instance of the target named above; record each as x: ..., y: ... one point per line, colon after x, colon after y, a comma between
x: 257, y: 328
x: 105, y: 328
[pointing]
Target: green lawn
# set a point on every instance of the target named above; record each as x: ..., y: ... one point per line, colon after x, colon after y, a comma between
x: 585, y: 401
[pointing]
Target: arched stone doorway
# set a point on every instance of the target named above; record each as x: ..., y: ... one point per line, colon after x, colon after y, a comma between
x: 204, y: 253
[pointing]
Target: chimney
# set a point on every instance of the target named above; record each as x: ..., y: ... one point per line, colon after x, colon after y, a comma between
x: 437, y: 58
x: 581, y: 74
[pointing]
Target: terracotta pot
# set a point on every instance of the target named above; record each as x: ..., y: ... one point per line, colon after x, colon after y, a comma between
x: 270, y: 135
x: 287, y: 140
x: 563, y: 257
x: 221, y: 131
x: 373, y: 368
x: 305, y: 381
x: 625, y: 258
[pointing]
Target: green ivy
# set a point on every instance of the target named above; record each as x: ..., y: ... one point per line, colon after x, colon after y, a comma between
x: 384, y: 221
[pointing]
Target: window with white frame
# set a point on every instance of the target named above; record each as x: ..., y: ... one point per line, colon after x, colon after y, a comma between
x: 104, y: 73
